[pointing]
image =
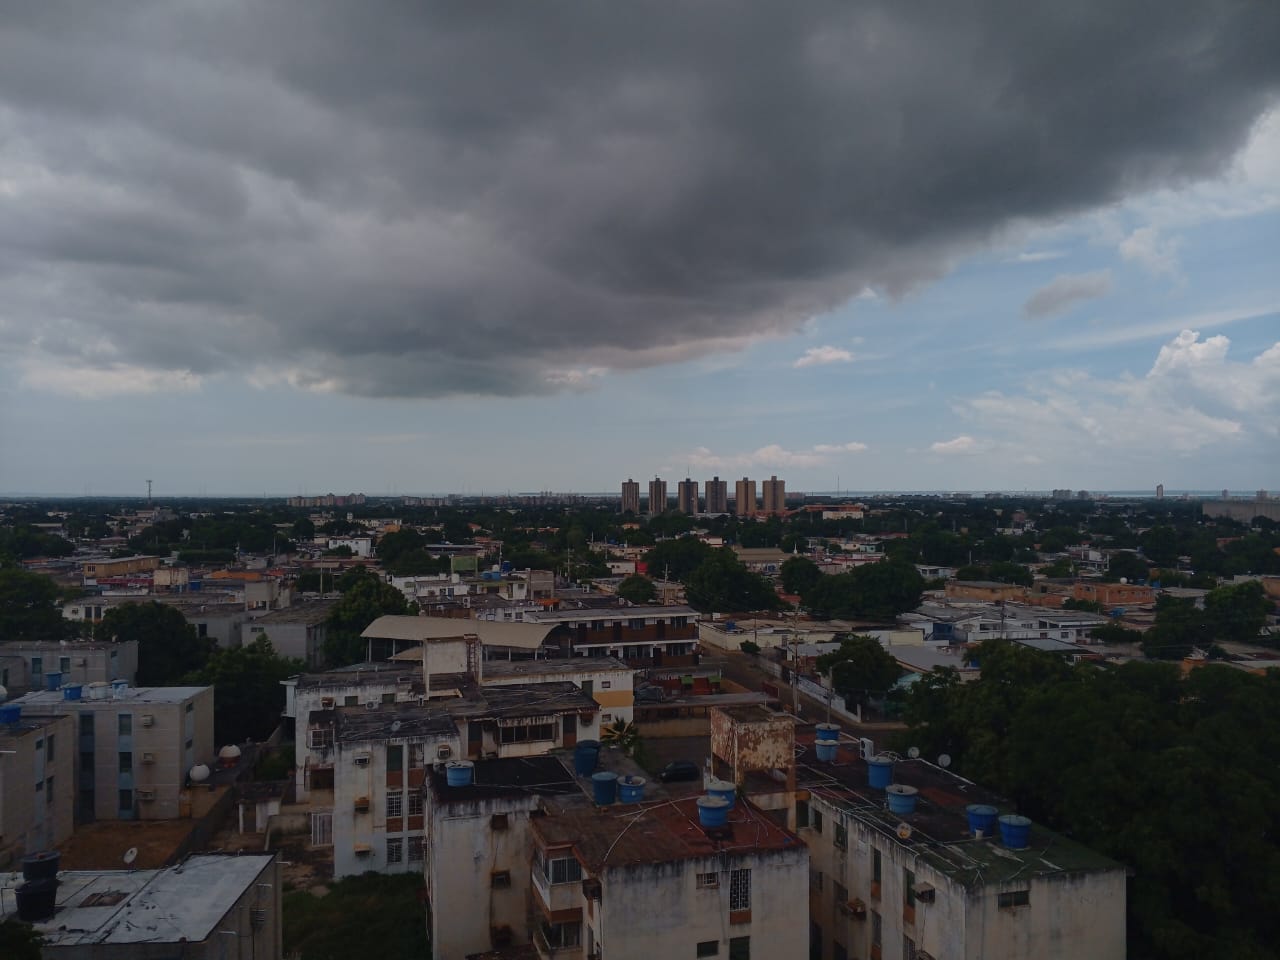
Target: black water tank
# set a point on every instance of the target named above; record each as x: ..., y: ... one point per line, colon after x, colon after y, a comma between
x: 42, y: 865
x: 37, y: 899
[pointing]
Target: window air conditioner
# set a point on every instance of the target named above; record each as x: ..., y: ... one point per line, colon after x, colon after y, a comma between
x: 148, y: 758
x: 361, y: 760
x: 148, y: 720
x: 146, y: 794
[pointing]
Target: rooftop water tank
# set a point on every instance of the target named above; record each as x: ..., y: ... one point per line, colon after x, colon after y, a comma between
x: 902, y: 798
x: 11, y: 713
x: 604, y: 787
x: 36, y: 899
x: 458, y: 773
x: 982, y: 819
x: 724, y: 789
x: 42, y: 865
x: 826, y: 750
x: 119, y: 687
x: 879, y: 771
x: 585, y: 755
x: 631, y: 789
x: 229, y: 755
x: 98, y: 690
x: 713, y: 812
x: 72, y: 691
x: 1015, y: 831
x: 52, y: 680
x: 828, y: 732
x: 199, y: 773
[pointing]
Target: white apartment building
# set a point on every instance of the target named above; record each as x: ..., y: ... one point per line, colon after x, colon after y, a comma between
x: 34, y: 666
x: 36, y: 774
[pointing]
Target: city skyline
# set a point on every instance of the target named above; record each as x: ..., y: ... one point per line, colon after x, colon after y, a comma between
x: 977, y: 273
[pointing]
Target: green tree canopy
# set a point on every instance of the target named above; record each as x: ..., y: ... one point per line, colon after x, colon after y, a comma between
x: 799, y: 575
x: 722, y: 584
x: 168, y: 647
x: 637, y: 589
x: 248, y: 696
x: 860, y: 669
x: 28, y: 606
x: 1238, y: 612
x: 1126, y: 565
x: 19, y: 941
x: 877, y: 591
x: 677, y: 558
x: 1179, y: 627
x: 365, y: 597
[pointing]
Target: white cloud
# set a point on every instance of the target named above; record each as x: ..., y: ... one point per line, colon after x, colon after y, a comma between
x: 1037, y: 256
x: 577, y: 378
x: 1065, y: 291
x: 1113, y: 336
x: 821, y: 356
x: 962, y: 444
x: 106, y: 380
x: 1148, y: 247
x: 772, y: 455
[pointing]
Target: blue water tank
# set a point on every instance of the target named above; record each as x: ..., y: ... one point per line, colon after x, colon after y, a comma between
x: 828, y: 732
x: 826, y: 751
x: 604, y: 786
x: 879, y: 772
x: 71, y: 691
x: 11, y: 713
x: 585, y: 755
x: 52, y: 680
x: 724, y: 789
x: 982, y: 818
x: 1015, y: 831
x: 458, y: 773
x: 42, y: 865
x: 507, y: 566
x: 631, y: 789
x: 902, y: 798
x: 713, y: 812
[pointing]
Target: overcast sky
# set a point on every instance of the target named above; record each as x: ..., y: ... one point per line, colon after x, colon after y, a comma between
x: 321, y: 245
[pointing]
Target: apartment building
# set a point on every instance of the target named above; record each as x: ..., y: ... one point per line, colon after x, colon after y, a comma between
x: 209, y: 907
x: 36, y: 773
x: 909, y: 861
x: 630, y: 496
x: 687, y: 496
x: 134, y: 745
x: 297, y: 631
x: 33, y: 666
x: 657, y: 496
x: 744, y: 500
x: 717, y: 491
x: 93, y: 570
x: 773, y: 497
x: 641, y: 636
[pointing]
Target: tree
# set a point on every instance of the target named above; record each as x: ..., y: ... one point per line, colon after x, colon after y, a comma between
x: 1160, y: 546
x: 365, y: 598
x: 168, y: 647
x: 1237, y: 612
x: 722, y: 583
x: 799, y: 575
x: 678, y: 558
x: 860, y: 669
x: 1059, y: 569
x: 971, y: 571
x: 1179, y: 628
x: 878, y: 591
x: 19, y: 941
x: 637, y: 589
x: 1088, y: 606
x: 1127, y: 566
x: 1115, y: 634
x: 248, y: 696
x: 1006, y: 571
x: 28, y: 606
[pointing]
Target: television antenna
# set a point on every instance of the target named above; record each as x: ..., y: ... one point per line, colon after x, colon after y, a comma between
x: 914, y: 753
x: 944, y: 761
x: 130, y: 855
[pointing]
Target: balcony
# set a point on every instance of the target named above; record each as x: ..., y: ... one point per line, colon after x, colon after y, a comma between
x: 555, y: 898
x: 542, y: 943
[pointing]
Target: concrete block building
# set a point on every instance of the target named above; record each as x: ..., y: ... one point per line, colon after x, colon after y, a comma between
x: 36, y: 774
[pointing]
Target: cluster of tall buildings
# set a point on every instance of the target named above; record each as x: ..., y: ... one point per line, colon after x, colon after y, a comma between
x: 772, y: 502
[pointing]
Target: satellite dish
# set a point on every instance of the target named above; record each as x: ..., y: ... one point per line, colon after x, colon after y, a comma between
x: 130, y: 855
x: 1124, y: 579
x: 395, y: 726
x: 944, y: 761
x: 914, y: 753
x: 904, y: 831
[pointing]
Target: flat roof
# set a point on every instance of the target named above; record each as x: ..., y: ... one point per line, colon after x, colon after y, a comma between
x: 309, y: 611
x: 183, y: 902
x: 52, y: 698
x: 562, y: 665
x: 608, y: 613
x: 510, y: 777
x: 939, y: 826
x: 621, y: 835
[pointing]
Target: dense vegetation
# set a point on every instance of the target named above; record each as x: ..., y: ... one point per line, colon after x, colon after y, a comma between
x: 1176, y: 777
x: 371, y: 915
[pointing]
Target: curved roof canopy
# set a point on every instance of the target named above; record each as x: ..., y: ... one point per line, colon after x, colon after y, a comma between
x: 492, y: 633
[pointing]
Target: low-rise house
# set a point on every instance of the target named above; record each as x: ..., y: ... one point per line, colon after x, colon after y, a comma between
x: 298, y: 631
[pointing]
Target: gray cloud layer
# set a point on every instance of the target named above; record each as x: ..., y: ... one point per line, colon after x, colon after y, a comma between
x: 1066, y: 290
x: 422, y: 199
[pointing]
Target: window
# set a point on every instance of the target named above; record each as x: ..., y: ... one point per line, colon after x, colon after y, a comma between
x: 842, y: 836
x: 498, y: 822
x: 739, y: 889
x: 561, y: 935
x: 37, y: 670
x: 708, y: 948
x: 816, y: 820
x: 802, y: 814
x: 189, y: 742
x: 563, y: 870
x: 739, y: 948
x: 388, y: 698
x: 321, y: 739
x: 522, y: 734
x: 500, y: 879
x: 64, y: 664
x: 86, y: 763
x: 86, y: 724
x: 351, y: 700
x: 395, y: 850
x: 416, y: 850
x: 908, y: 887
x: 908, y: 948
x: 417, y: 756
x: 816, y: 880
x: 395, y: 804
x: 815, y: 941
x: 606, y: 718
x: 635, y: 623
x: 876, y: 866
x: 606, y: 684
x: 48, y: 748
x: 840, y: 893
x: 708, y: 880
x: 124, y: 724
x: 395, y: 758
x: 48, y: 790
x: 126, y: 800
x: 415, y: 804
x: 125, y: 761
x: 1015, y: 898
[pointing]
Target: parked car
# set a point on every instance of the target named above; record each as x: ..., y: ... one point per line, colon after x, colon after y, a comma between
x: 678, y: 770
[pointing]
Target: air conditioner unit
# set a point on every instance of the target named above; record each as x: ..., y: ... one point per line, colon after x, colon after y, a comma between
x: 148, y: 758
x: 371, y: 704
x: 146, y: 794
x: 327, y: 703
x: 361, y: 760
x: 444, y: 751
x: 924, y: 892
x: 148, y: 720
x: 866, y: 748
x: 362, y: 803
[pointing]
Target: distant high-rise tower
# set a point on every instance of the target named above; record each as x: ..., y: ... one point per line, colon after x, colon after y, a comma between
x: 1159, y: 491
x: 657, y: 496
x: 774, y: 497
x: 717, y: 495
x: 1226, y: 494
x: 630, y: 496
x: 744, y: 504
x: 687, y: 496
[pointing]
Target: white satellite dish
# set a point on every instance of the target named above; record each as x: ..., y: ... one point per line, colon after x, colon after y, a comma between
x: 904, y: 831
x: 944, y: 761
x: 130, y: 855
x: 395, y: 726
x: 914, y: 753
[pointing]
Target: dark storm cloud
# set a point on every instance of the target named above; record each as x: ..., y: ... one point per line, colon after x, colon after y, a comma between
x: 420, y: 199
